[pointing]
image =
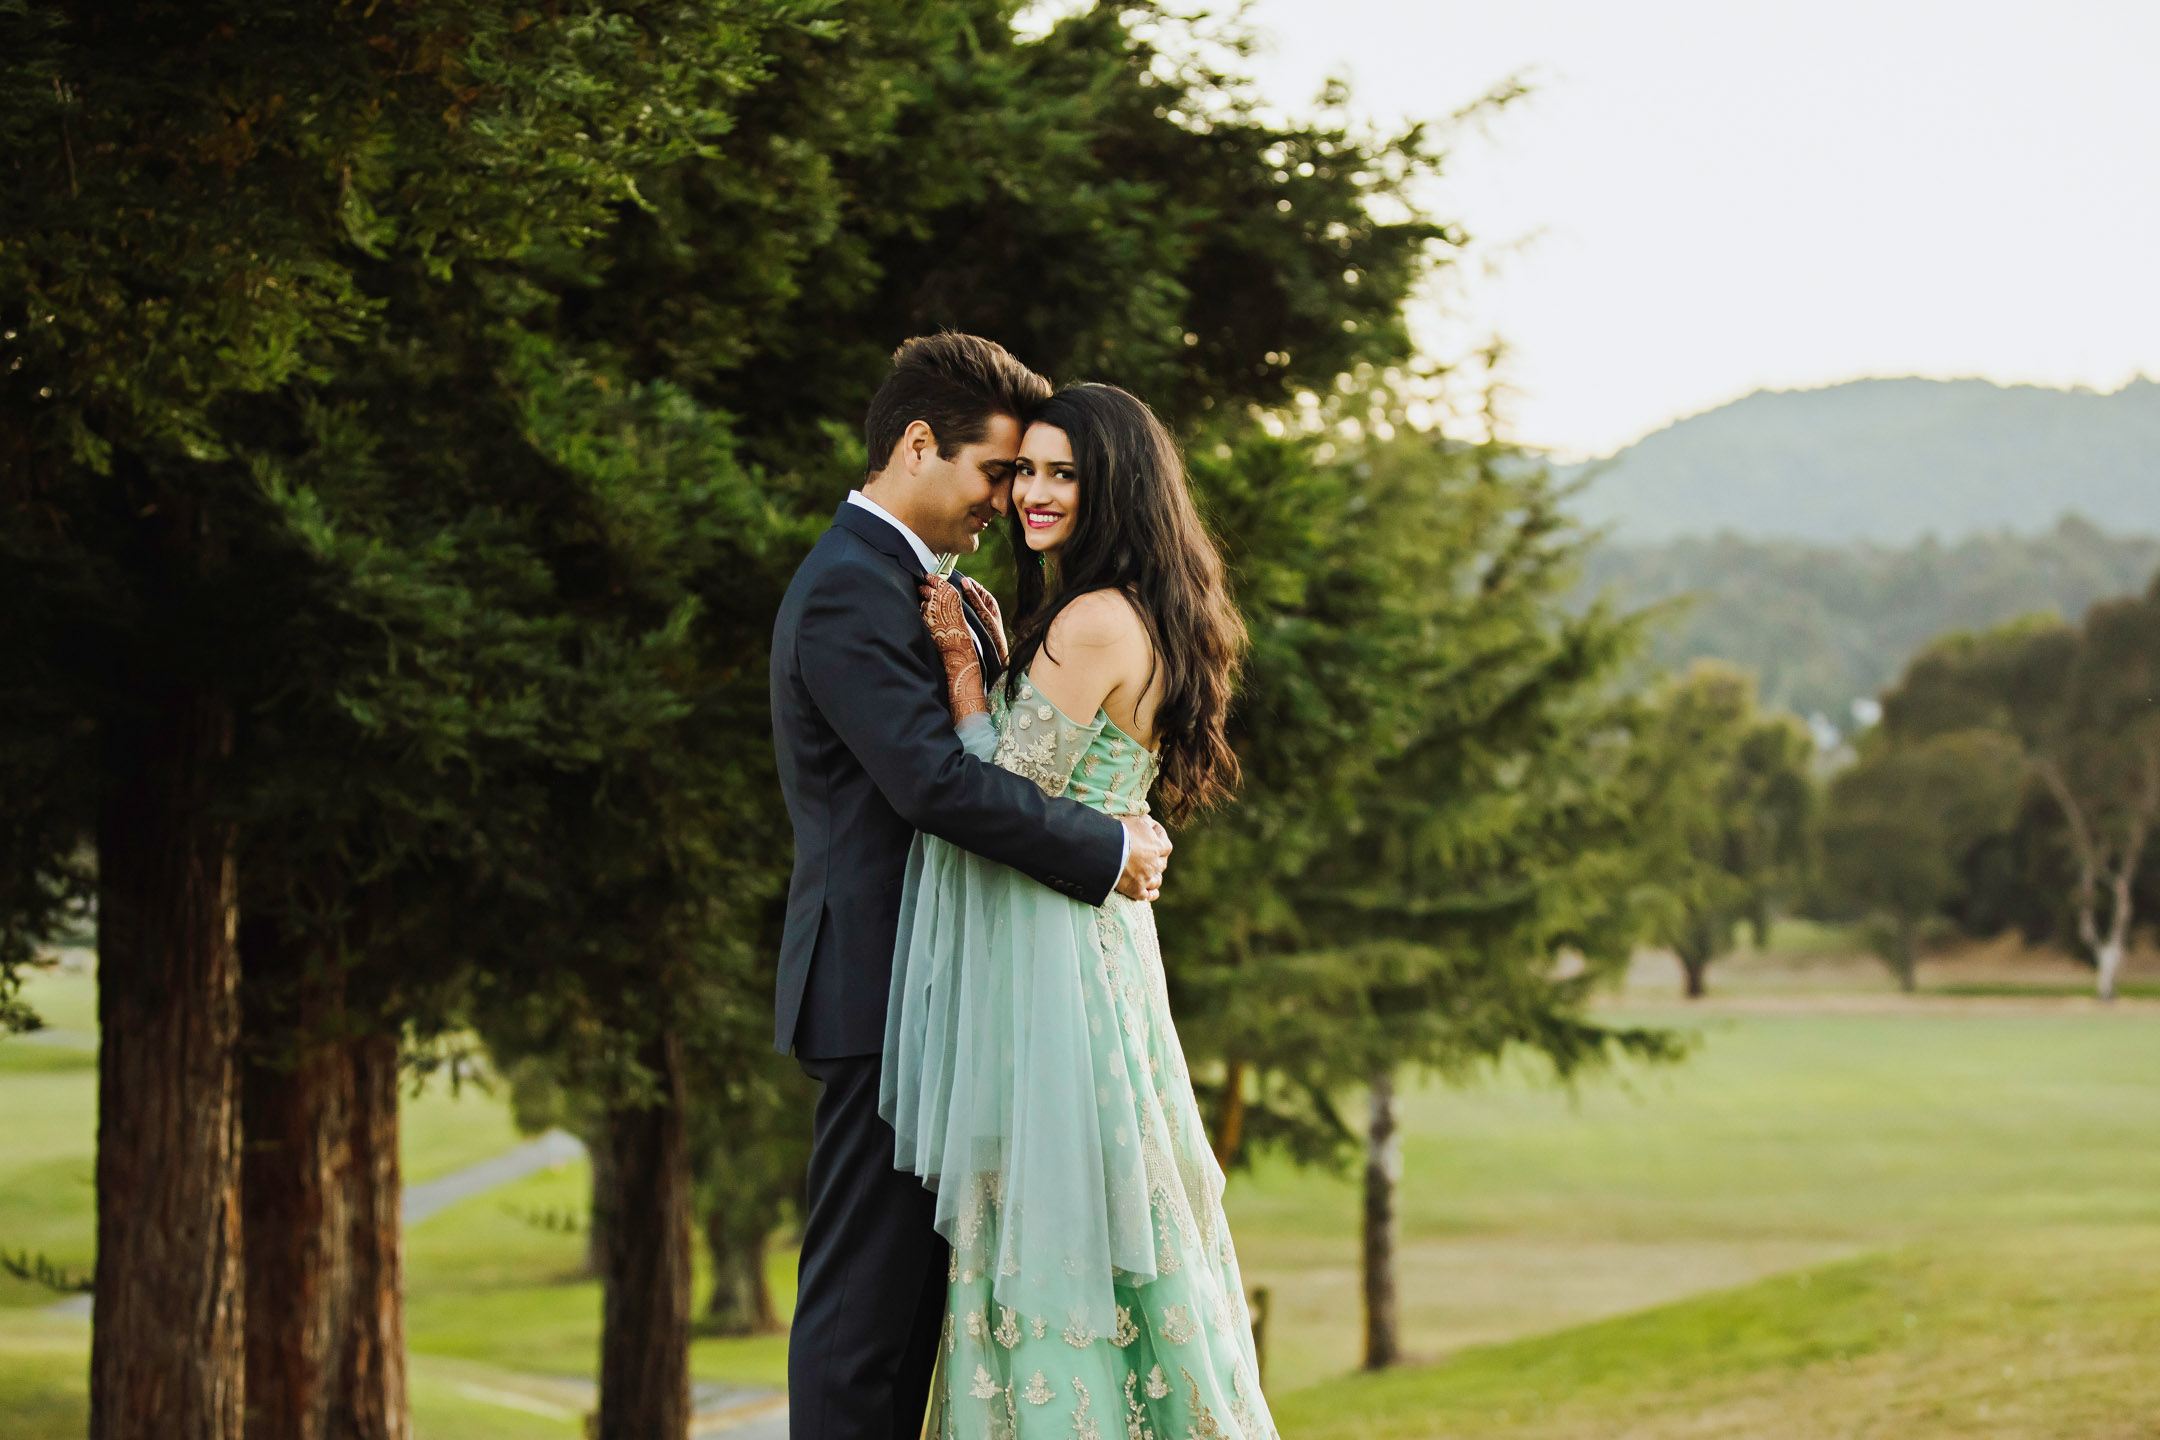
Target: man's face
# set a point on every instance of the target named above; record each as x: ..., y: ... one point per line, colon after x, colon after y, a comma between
x: 970, y: 490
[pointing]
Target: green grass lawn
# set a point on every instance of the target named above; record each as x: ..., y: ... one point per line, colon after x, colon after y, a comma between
x: 48, y: 1095
x: 48, y: 1121
x: 2014, y: 990
x: 1851, y: 1224
x: 1786, y: 1139
x: 2029, y: 1334
x: 44, y: 1376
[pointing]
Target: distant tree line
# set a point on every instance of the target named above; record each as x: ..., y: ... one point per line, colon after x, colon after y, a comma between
x: 2013, y: 783
x: 1823, y: 625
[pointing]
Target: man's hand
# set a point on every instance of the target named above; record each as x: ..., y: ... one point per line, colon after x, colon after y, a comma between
x: 1145, y: 857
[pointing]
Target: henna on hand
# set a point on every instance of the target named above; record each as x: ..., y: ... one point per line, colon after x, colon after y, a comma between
x: 956, y: 648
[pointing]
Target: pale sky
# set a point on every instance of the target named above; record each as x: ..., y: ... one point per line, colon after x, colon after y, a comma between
x: 1703, y: 199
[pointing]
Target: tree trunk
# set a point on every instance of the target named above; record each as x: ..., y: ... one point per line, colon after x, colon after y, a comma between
x: 645, y: 1332
x: 606, y: 1198
x: 2109, y: 965
x: 2108, y: 955
x: 1232, y: 1130
x: 296, y: 1101
x: 166, y: 1339
x: 2123, y: 892
x: 325, y: 1348
x: 1383, y: 1169
x: 1705, y: 934
x: 742, y: 1302
x: 373, y: 1403
x: 2108, y: 951
x: 1908, y: 956
x: 1759, y: 921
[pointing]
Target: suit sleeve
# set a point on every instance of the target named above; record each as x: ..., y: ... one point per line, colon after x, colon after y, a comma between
x: 873, y: 673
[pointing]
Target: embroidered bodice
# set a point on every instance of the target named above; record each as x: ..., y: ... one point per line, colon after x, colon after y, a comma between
x: 1097, y: 763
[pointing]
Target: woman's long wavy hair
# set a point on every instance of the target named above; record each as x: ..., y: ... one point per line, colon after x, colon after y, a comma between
x: 1137, y: 531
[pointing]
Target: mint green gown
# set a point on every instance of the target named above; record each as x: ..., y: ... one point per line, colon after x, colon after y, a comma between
x: 1035, y: 1082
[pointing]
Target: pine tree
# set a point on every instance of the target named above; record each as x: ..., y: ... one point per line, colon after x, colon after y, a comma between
x: 209, y: 213
x: 1458, y: 878
x: 885, y: 177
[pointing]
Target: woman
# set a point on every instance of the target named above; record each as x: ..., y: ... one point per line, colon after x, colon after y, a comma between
x: 1032, y: 1073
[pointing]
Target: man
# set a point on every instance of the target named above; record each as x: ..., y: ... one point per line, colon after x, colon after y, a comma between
x: 867, y: 757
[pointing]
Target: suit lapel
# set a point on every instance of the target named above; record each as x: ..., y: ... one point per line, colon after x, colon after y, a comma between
x: 880, y: 536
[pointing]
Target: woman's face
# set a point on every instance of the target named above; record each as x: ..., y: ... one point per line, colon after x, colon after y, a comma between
x: 1046, y: 488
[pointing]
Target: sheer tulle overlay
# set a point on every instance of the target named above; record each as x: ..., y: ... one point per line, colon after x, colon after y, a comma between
x: 1035, y: 1081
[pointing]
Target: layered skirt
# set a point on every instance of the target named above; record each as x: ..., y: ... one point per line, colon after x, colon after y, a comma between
x: 1035, y: 1081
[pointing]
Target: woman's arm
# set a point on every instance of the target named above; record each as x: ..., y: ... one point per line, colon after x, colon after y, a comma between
x: 970, y: 707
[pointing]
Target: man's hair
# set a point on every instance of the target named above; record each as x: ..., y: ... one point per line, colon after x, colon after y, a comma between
x: 955, y: 384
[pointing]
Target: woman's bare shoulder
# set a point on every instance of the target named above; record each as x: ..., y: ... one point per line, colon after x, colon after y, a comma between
x: 1099, y: 620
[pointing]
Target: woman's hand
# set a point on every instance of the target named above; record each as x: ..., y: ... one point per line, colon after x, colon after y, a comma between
x: 943, y: 613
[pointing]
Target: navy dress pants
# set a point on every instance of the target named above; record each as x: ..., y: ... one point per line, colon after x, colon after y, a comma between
x: 870, y: 1306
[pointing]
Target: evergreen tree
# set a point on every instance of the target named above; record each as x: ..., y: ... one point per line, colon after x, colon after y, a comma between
x: 209, y: 212
x: 1452, y: 854
x: 1086, y: 198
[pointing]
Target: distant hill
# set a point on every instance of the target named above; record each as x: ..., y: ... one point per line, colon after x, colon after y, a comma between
x: 1826, y: 624
x: 1890, y: 461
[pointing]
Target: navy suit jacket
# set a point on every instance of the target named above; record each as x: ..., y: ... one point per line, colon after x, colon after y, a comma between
x: 868, y: 756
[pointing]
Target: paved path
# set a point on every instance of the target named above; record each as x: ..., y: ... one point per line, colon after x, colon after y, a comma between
x: 59, y: 1039
x: 738, y: 1412
x: 556, y: 1147
x: 768, y: 1423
